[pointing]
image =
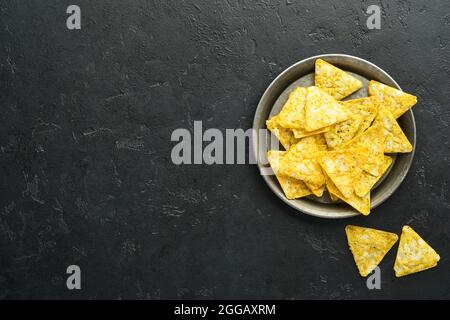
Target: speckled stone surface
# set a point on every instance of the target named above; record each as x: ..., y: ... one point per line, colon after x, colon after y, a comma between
x: 86, y: 174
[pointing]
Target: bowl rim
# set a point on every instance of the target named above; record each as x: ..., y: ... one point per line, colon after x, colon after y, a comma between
x: 255, y: 137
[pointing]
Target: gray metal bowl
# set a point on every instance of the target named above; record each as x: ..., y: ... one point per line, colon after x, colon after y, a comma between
x: 302, y: 74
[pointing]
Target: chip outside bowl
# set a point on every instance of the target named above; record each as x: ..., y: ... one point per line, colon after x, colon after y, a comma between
x: 361, y: 67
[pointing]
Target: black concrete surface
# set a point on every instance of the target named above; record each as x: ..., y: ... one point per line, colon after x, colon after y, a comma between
x: 86, y: 174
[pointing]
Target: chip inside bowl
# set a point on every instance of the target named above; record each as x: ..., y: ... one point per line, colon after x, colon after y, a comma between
x: 336, y: 82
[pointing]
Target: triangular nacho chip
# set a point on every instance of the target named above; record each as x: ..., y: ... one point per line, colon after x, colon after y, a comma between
x: 292, y: 188
x: 363, y: 112
x: 373, y: 140
x: 366, y: 108
x: 293, y: 113
x: 367, y: 181
x: 322, y: 110
x: 334, y: 81
x: 343, y: 167
x: 396, y: 101
x: 307, y: 170
x: 285, y: 136
x: 300, y: 161
x: 361, y: 204
x: 368, y: 246
x: 395, y: 141
x: 343, y: 131
x: 320, y: 146
x: 413, y: 254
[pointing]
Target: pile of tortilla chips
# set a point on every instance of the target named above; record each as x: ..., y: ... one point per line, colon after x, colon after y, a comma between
x: 334, y: 145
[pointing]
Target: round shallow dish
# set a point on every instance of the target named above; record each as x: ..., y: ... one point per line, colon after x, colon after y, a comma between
x: 302, y: 74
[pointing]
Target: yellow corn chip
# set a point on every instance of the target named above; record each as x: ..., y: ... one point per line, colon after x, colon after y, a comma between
x: 413, y: 254
x: 396, y: 101
x: 300, y: 162
x: 335, y: 81
x: 343, y: 131
x: 368, y: 246
x: 322, y: 110
x: 366, y: 108
x: 367, y: 181
x: 293, y: 113
x: 361, y: 204
x: 363, y: 112
x: 307, y: 170
x: 343, y: 167
x: 292, y: 188
x: 373, y: 140
x: 285, y: 136
x: 395, y: 141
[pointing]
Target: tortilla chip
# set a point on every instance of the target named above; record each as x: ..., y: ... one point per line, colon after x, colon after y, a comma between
x: 373, y: 140
x: 367, y: 181
x: 363, y: 112
x: 322, y: 110
x: 293, y: 113
x: 343, y: 131
x: 300, y: 162
x: 413, y: 254
x: 368, y: 246
x: 343, y: 167
x: 285, y: 136
x: 335, y: 81
x: 366, y: 108
x: 307, y: 170
x: 395, y: 141
x: 396, y: 101
x: 361, y: 204
x: 292, y: 188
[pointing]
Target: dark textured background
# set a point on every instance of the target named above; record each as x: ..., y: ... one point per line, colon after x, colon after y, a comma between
x: 86, y: 175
